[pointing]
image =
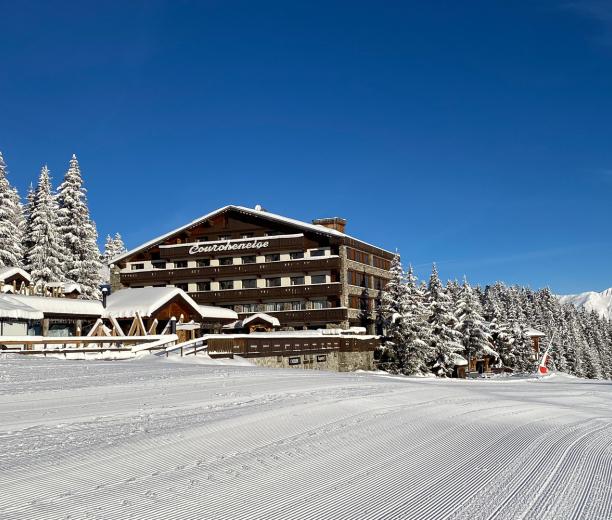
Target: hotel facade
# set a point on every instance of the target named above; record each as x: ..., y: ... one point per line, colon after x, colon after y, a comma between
x: 308, y: 275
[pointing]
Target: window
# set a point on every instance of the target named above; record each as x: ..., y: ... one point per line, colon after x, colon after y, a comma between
x: 226, y: 260
x: 249, y: 259
x: 273, y: 258
x: 245, y: 307
x: 317, y: 278
x: 251, y: 283
x: 137, y: 267
x: 298, y: 306
x: 225, y: 237
x: 226, y: 284
x: 318, y: 304
x: 183, y: 286
x: 296, y: 255
x: 203, y: 286
x: 381, y: 263
x: 297, y: 280
x: 204, y: 262
x: 354, y: 302
x: 294, y: 360
x: 180, y: 264
x: 358, y: 256
x: 274, y: 307
x: 273, y: 282
x: 158, y: 264
x: 358, y: 279
x: 317, y: 252
x: 379, y: 283
x: 246, y: 235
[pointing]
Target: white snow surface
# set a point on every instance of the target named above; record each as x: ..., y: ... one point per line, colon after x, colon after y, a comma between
x: 13, y: 308
x: 64, y: 306
x: 600, y: 302
x: 156, y: 438
x: 125, y: 303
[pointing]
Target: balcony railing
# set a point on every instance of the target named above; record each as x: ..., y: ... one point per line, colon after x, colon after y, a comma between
x: 330, y: 315
x: 253, y: 295
x: 222, y: 271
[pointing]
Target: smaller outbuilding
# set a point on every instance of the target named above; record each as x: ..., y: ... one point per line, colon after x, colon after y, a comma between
x: 13, y: 279
x: 258, y: 322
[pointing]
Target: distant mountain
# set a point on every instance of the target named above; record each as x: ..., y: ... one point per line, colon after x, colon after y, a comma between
x: 600, y: 302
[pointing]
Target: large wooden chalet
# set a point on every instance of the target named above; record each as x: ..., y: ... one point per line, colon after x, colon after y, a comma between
x: 307, y: 275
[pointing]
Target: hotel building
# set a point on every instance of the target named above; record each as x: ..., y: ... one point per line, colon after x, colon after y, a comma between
x: 308, y: 275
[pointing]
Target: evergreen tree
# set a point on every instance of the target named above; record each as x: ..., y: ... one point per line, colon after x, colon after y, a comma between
x: 444, y: 338
x: 82, y: 264
x: 113, y: 247
x: 394, y: 301
x: 11, y: 222
x: 46, y: 256
x: 416, y: 328
x: 474, y: 330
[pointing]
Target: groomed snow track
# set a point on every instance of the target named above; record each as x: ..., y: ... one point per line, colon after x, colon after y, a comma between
x: 175, y: 439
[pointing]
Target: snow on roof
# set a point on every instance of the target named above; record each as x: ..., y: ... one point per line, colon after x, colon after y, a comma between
x: 249, y: 211
x: 7, y: 272
x: 458, y: 360
x: 65, y: 306
x: 13, y: 308
x: 261, y: 316
x: 533, y: 333
x: 67, y: 287
x: 212, y: 312
x: 125, y: 303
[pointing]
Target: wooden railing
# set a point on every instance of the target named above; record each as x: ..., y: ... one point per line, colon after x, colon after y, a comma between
x: 291, y: 291
x: 219, y: 271
x: 63, y: 344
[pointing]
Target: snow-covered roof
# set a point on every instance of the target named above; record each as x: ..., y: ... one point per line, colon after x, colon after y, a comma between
x: 67, y: 287
x: 64, y: 306
x: 125, y: 303
x: 13, y: 308
x: 7, y: 272
x: 533, y: 333
x: 261, y: 316
x: 318, y: 228
x: 221, y: 313
x: 458, y: 360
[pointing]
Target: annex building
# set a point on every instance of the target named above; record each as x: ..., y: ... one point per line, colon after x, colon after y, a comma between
x: 307, y: 275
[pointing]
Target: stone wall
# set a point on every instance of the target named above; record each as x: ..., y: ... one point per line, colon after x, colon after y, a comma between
x: 332, y: 361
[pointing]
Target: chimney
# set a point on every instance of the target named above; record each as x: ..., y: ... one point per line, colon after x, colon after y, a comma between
x: 337, y: 223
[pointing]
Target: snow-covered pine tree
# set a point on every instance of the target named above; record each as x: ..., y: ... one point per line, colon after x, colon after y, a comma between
x: 416, y: 328
x: 394, y: 303
x: 444, y: 338
x: 113, y: 247
x: 119, y: 245
x: 11, y: 252
x: 474, y: 329
x: 45, y: 257
x: 523, y: 349
x: 82, y: 264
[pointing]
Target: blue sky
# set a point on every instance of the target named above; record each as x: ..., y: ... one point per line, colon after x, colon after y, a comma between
x: 474, y: 134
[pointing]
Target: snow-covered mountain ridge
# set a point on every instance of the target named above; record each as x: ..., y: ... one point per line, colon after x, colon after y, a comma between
x: 600, y: 302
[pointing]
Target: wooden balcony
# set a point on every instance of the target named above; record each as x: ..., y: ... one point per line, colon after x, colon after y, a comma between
x: 301, y: 317
x: 267, y: 293
x: 158, y: 276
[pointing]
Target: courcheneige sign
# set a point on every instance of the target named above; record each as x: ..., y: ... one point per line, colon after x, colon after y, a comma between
x: 227, y: 246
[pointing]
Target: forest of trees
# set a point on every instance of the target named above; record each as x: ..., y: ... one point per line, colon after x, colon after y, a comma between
x: 52, y: 235
x: 431, y: 327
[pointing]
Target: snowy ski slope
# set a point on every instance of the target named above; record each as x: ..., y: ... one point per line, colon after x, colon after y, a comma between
x: 152, y: 438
